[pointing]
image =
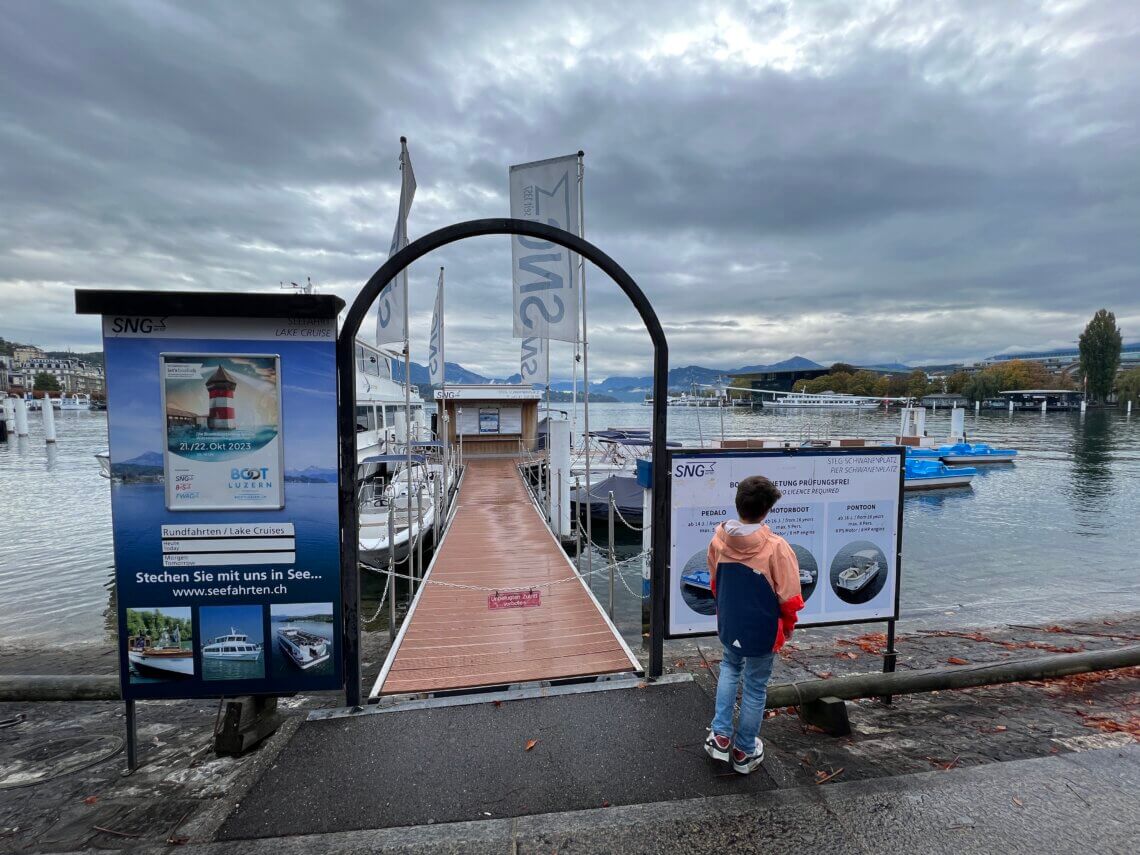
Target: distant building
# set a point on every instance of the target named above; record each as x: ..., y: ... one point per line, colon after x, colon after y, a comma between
x: 779, y: 380
x: 73, y: 375
x: 1031, y: 399
x: 5, y: 377
x: 948, y: 399
x: 1064, y: 359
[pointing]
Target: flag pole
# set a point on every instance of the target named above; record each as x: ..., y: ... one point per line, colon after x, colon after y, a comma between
x: 407, y: 378
x: 443, y: 420
x: 585, y: 363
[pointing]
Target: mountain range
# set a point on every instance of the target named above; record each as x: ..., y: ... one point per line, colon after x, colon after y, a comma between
x: 630, y: 388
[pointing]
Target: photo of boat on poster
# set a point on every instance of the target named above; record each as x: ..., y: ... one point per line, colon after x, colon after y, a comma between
x: 222, y: 417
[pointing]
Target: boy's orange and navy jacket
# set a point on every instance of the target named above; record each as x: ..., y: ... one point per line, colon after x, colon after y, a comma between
x: 756, y: 581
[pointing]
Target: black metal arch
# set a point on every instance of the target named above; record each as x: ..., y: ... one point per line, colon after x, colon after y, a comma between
x: 346, y: 404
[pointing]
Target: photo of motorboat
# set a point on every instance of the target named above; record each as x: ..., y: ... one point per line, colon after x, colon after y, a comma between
x: 158, y: 642
x: 809, y: 570
x: 694, y: 585
x: 698, y: 579
x: 162, y: 662
x: 303, y: 649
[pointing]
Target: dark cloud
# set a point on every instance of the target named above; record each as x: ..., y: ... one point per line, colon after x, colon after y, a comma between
x: 878, y: 181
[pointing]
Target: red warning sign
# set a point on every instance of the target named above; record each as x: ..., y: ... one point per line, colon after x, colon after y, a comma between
x: 514, y: 600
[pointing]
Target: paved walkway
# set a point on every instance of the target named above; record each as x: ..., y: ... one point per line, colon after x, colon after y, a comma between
x: 452, y: 638
x: 1073, y: 803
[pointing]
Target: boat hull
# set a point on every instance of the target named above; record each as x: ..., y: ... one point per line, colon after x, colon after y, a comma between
x: 937, y: 482
x: 305, y: 664
x: 162, y: 665
x: 234, y: 657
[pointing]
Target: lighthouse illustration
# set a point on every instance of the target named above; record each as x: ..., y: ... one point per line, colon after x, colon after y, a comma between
x: 221, y: 385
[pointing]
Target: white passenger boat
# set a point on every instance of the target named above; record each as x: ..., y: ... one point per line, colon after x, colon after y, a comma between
x: 821, y: 401
x: 864, y: 567
x: 236, y: 645
x: 303, y: 649
x: 74, y: 402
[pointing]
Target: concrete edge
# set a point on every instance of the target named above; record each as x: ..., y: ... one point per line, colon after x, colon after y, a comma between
x: 525, y: 692
x: 205, y: 825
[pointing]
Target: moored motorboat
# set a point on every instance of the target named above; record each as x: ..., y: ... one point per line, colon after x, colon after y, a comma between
x: 932, y: 474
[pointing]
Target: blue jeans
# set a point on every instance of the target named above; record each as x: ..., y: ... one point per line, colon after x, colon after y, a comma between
x: 756, y: 671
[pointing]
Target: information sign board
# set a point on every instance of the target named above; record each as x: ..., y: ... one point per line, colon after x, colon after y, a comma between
x: 224, y: 499
x: 840, y: 513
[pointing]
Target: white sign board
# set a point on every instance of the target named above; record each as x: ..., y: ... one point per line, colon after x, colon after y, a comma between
x: 839, y: 513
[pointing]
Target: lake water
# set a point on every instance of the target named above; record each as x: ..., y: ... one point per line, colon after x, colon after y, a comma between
x: 1051, y: 537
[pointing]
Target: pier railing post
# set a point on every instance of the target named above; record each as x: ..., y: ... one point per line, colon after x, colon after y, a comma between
x: 392, y: 571
x: 439, y: 511
x: 577, y: 522
x: 612, y: 555
x: 419, y: 574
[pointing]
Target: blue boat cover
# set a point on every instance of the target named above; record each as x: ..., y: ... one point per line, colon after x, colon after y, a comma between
x: 627, y: 494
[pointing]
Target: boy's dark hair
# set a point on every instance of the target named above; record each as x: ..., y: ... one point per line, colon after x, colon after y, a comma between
x: 755, y: 496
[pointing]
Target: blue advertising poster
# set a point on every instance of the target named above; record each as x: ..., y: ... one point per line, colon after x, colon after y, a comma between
x: 223, y: 446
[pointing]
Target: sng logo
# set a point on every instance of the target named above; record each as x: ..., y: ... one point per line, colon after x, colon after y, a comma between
x: 249, y: 474
x: 694, y: 470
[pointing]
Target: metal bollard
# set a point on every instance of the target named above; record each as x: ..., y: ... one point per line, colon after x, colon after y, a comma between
x: 392, y: 570
x: 613, y: 555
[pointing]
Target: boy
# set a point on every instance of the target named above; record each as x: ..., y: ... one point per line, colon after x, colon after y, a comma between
x: 755, y: 578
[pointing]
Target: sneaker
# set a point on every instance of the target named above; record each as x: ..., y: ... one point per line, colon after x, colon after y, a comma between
x: 718, y: 746
x: 745, y: 763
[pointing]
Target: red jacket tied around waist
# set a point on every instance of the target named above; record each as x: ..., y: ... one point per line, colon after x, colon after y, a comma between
x: 755, y: 578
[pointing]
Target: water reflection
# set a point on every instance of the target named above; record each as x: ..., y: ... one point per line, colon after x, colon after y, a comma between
x: 1091, y: 474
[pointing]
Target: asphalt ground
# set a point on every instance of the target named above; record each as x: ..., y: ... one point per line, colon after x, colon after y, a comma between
x: 1075, y: 803
x: 451, y: 764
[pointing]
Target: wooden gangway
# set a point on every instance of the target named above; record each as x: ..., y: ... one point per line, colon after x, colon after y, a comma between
x: 452, y: 639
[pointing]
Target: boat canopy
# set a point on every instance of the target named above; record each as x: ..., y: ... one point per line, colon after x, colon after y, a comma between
x: 627, y: 493
x: 393, y: 458
x: 866, y: 553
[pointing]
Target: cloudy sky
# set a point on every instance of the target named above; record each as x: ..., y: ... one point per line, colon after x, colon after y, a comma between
x: 875, y: 181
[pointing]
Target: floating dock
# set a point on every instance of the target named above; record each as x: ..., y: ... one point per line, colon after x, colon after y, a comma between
x: 457, y: 638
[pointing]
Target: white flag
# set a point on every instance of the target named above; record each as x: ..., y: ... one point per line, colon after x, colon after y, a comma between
x: 391, y: 311
x: 545, y: 290
x: 436, y: 365
x: 535, y: 362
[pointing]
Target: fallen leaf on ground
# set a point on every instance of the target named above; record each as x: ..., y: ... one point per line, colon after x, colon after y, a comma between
x: 641, y: 685
x: 680, y: 663
x: 90, y: 800
x: 1018, y: 801
x: 498, y: 703
x: 822, y: 777
x: 957, y: 660
x: 530, y: 743
x: 1001, y: 728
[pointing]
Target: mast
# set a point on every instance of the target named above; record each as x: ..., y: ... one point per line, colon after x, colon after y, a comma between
x: 443, y: 425
x: 407, y: 390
